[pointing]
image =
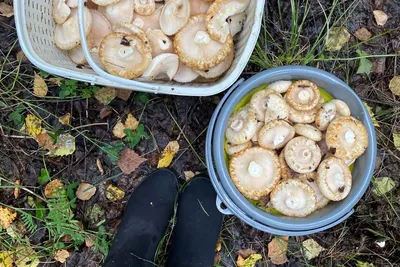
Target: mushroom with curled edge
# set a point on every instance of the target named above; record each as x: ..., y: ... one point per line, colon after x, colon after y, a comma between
x: 101, y: 27
x: 61, y: 11
x: 218, y: 70
x: 342, y: 109
x: 185, y: 74
x: 306, y: 116
x: 302, y: 154
x: 280, y: 86
x: 334, y: 178
x: 218, y: 17
x: 234, y: 149
x: 303, y: 95
x: 255, y: 171
x: 144, y: 7
x: 160, y: 43
x: 105, y: 2
x: 286, y: 172
x: 241, y: 126
x: 325, y: 115
x: 348, y: 137
x: 151, y: 21
x: 72, y: 3
x: 121, y: 12
x: 125, y: 55
x: 275, y: 134
x: 163, y: 66
x: 308, y: 131
x: 236, y: 23
x: 198, y: 7
x: 294, y: 197
x: 195, y: 47
x: 311, y: 180
x: 269, y: 105
x: 174, y: 15
x: 66, y: 36
x: 260, y: 124
x: 76, y: 54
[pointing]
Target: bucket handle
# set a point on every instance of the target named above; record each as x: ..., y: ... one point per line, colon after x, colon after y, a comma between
x: 222, y: 208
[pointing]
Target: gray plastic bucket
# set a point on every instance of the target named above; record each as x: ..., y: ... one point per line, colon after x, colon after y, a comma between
x: 234, y: 202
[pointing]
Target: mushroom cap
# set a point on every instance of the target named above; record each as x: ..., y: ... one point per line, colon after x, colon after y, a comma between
x: 151, y: 21
x: 218, y: 70
x: 302, y: 154
x: 236, y: 23
x: 124, y: 55
x: 286, y: 172
x: 269, y: 105
x: 325, y: 115
x: 297, y: 116
x: 303, y: 95
x: 160, y: 43
x: 348, y: 136
x: 218, y: 14
x: 163, y: 66
x: 195, y: 47
x: 294, y: 198
x: 311, y: 180
x: 322, y: 145
x: 234, y: 149
x: 280, y: 86
x: 275, y: 134
x: 61, y: 11
x: 128, y: 28
x: 260, y: 124
x: 118, y: 13
x: 76, y: 54
x: 241, y: 127
x: 255, y: 171
x: 174, y: 16
x: 342, y: 109
x: 308, y: 131
x: 185, y: 74
x: 198, y: 7
x: 145, y: 7
x: 105, y: 2
x: 101, y: 27
x: 334, y: 179
x: 66, y: 36
x: 72, y: 3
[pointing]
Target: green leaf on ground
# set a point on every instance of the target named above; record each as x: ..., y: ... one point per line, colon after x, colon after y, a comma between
x: 142, y: 97
x: 16, y: 116
x: 337, y: 38
x: 44, y: 176
x: 40, y: 210
x: 112, y: 151
x: 311, y: 249
x: 364, y: 264
x: 396, y: 140
x: 383, y: 185
x: 365, y: 65
x: 134, y: 137
x: 68, y: 88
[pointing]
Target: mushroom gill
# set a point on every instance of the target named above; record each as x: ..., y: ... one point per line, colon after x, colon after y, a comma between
x: 275, y: 134
x: 303, y: 95
x: 302, y: 154
x: 241, y: 127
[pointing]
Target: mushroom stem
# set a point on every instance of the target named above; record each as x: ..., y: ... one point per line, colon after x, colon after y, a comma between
x: 350, y: 137
x: 202, y: 37
x: 291, y: 202
x: 304, y: 95
x: 279, y: 139
x: 125, y: 52
x: 237, y: 125
x: 254, y: 169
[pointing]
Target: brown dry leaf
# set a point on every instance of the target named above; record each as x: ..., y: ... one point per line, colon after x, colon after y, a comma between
x: 61, y: 255
x: 245, y: 253
x: 380, y: 17
x: 105, y: 95
x: 89, y: 240
x: 33, y: 125
x: 57, y: 81
x: 363, y: 34
x: 118, y: 130
x: 16, y: 189
x: 131, y: 122
x: 124, y: 94
x: 85, y: 191
x: 54, y: 189
x: 219, y: 245
x: 277, y: 249
x: 100, y: 166
x: 129, y: 161
x: 249, y: 262
x: 20, y: 55
x: 189, y: 175
x: 45, y: 141
x: 39, y: 86
x: 217, y: 258
x: 168, y: 154
x: 113, y: 193
x: 394, y: 85
x: 6, y: 10
x: 105, y: 112
x: 66, y: 119
x: 7, y: 216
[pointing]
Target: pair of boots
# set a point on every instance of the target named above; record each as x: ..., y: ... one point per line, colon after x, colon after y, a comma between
x: 147, y: 216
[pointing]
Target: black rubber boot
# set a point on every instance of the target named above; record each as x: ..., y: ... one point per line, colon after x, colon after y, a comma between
x: 198, y: 226
x: 146, y: 218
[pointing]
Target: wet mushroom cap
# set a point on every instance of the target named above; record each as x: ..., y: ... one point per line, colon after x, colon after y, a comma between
x: 348, y: 136
x: 174, y: 15
x: 294, y: 198
x: 121, y: 12
x: 325, y: 115
x: 302, y: 155
x: 334, y: 179
x: 241, y: 127
x: 269, y: 105
x: 275, y: 134
x: 234, y: 149
x: 255, y: 171
x: 124, y: 55
x: 195, y: 47
x: 280, y: 86
x: 311, y: 180
x: 308, y: 131
x: 303, y: 95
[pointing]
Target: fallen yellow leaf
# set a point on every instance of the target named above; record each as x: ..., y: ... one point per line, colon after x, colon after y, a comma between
x: 7, y: 216
x: 337, y: 38
x: 189, y: 175
x: 396, y: 140
x: 66, y: 119
x: 54, y: 189
x: 26, y: 257
x: 33, y: 125
x: 168, y: 154
x: 39, y: 86
x: 85, y: 191
x: 131, y: 122
x: 277, y: 249
x: 249, y: 262
x: 113, y: 193
x: 219, y: 245
x: 394, y: 85
x: 105, y: 95
x: 371, y: 114
x: 57, y: 81
x: 16, y: 189
x: 6, y: 259
x: 118, y: 130
x: 6, y: 10
x: 380, y: 17
x: 61, y: 255
x: 100, y: 166
x: 311, y: 249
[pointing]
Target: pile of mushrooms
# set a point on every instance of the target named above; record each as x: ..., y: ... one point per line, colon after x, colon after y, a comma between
x: 181, y: 40
x: 290, y: 146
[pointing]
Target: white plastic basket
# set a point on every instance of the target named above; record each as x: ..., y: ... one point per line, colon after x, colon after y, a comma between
x: 35, y: 27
